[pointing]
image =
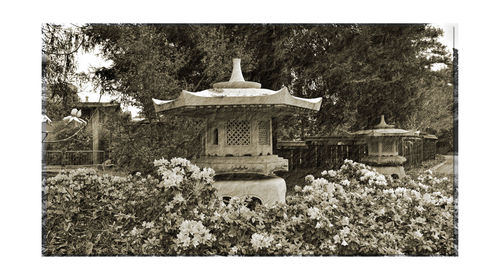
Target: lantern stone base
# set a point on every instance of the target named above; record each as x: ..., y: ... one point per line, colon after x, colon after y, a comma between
x: 388, y: 165
x: 268, y: 190
x: 265, y: 165
x: 393, y: 171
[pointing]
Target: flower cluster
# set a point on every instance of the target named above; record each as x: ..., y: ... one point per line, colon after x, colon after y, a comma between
x: 193, y: 233
x: 177, y: 170
x: 372, y: 177
x: 261, y: 240
x: 350, y: 211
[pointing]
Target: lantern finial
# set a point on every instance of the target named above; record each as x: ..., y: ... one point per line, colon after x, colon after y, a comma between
x: 236, y: 80
x: 383, y: 124
x: 236, y: 75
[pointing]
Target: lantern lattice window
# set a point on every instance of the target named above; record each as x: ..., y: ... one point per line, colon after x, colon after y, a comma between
x: 238, y: 132
x: 387, y: 148
x: 263, y: 133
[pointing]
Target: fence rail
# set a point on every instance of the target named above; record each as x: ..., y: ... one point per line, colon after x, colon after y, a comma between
x: 330, y: 152
x: 59, y: 157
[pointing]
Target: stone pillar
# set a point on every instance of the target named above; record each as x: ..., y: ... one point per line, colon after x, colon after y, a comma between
x: 95, y: 136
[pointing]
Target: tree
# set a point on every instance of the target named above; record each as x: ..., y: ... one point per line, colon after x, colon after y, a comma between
x: 60, y: 47
x: 361, y: 71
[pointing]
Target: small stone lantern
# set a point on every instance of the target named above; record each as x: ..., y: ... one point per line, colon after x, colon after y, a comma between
x: 238, y: 133
x: 382, y: 143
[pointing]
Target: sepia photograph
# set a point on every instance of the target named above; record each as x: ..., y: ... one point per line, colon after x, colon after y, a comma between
x: 249, y: 139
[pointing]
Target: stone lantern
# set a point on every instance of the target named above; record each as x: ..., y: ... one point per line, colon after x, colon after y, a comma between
x: 382, y: 143
x: 238, y: 133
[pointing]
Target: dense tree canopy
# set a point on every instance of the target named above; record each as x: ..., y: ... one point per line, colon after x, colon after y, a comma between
x: 361, y: 71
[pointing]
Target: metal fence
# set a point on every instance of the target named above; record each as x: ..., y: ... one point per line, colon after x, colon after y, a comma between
x: 330, y: 152
x: 60, y: 157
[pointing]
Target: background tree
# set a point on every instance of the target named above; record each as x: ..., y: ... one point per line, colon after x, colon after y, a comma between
x: 60, y: 48
x: 361, y: 71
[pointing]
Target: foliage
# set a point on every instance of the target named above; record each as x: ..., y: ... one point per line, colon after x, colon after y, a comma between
x: 428, y: 164
x: 350, y: 211
x: 69, y: 137
x: 362, y: 71
x: 135, y: 145
x: 60, y: 47
x: 436, y: 113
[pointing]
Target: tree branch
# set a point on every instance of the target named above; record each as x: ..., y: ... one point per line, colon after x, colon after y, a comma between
x: 68, y: 53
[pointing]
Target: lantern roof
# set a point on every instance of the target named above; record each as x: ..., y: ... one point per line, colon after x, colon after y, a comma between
x: 384, y: 129
x: 237, y: 95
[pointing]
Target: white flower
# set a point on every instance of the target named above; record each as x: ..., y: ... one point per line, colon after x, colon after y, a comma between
x: 423, y: 186
x: 307, y: 189
x: 309, y: 178
x: 233, y: 251
x: 330, y: 188
x: 261, y: 240
x: 319, y: 182
x: 168, y: 207
x: 420, y: 220
x: 148, y: 224
x: 372, y: 177
x: 336, y: 239
x: 417, y: 234
x: 313, y: 212
x: 427, y: 198
x: 180, y: 161
x: 207, y: 175
x: 178, y: 198
x: 388, y: 191
x: 134, y: 232
x: 172, y: 178
x: 345, y: 183
x: 380, y: 211
x: 416, y: 194
x: 345, y: 231
x: 193, y: 233
x: 332, y: 173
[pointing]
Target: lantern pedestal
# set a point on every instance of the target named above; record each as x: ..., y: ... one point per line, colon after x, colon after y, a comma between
x: 265, y: 165
x: 392, y: 171
x: 387, y: 165
x: 268, y: 190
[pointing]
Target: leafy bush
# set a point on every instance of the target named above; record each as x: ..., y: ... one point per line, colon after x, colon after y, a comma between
x: 137, y: 145
x: 350, y: 211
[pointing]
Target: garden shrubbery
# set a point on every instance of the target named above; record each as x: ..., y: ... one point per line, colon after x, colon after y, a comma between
x: 350, y: 211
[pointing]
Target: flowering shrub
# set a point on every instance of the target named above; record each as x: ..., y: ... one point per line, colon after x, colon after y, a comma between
x: 350, y: 211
